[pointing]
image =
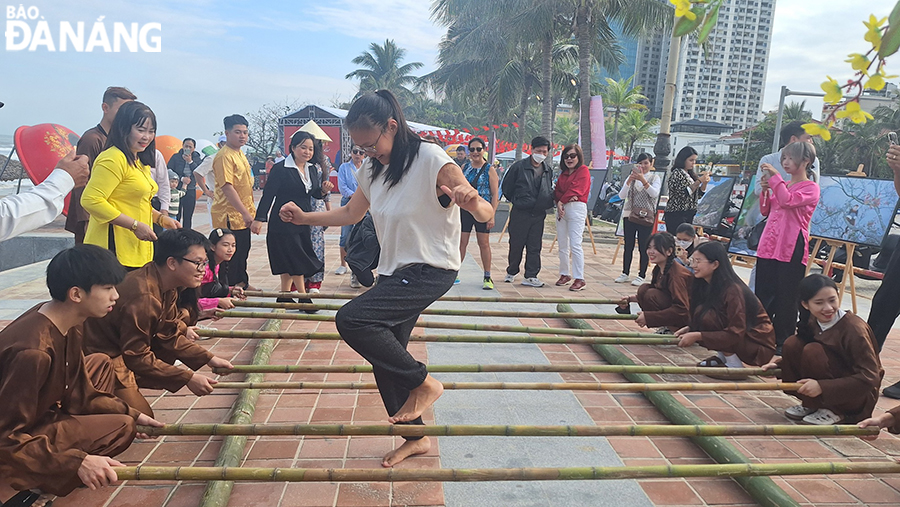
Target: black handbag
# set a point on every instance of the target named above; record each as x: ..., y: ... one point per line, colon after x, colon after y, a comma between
x: 756, y: 234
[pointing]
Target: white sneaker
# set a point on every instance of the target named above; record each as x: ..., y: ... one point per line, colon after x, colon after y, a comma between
x: 354, y: 283
x: 509, y: 278
x: 637, y: 282
x: 341, y: 270
x: 798, y: 412
x: 532, y: 282
x: 621, y: 278
x: 313, y: 291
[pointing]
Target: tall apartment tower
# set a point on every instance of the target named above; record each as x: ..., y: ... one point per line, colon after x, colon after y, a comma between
x: 724, y: 85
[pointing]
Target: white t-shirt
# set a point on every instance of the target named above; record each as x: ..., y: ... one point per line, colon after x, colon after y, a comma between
x: 411, y: 224
x: 204, y: 170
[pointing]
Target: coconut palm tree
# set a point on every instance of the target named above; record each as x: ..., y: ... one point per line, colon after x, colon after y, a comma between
x: 796, y: 111
x: 619, y: 97
x: 383, y: 68
x: 636, y: 127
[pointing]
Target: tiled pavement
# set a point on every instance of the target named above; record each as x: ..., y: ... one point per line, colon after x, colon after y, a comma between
x: 365, y: 407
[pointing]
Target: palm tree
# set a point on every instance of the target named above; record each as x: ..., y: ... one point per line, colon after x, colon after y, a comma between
x: 796, y: 111
x: 619, y: 97
x: 566, y: 131
x: 636, y: 127
x: 593, y: 25
x: 382, y: 69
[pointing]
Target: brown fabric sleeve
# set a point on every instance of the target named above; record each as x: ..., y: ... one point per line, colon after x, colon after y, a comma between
x: 735, y: 314
x: 858, y: 339
x: 678, y: 314
x: 135, y: 332
x: 30, y: 454
x: 84, y: 399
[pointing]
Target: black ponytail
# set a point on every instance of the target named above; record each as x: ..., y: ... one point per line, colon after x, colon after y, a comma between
x: 374, y: 110
x: 809, y: 287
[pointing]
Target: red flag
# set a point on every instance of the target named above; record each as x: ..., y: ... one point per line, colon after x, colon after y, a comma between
x: 516, y: 125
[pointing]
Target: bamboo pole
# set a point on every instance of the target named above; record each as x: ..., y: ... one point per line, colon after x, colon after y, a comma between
x: 762, y: 489
x: 442, y: 311
x: 504, y: 368
x: 619, y: 387
x: 468, y: 326
x: 150, y: 473
x: 471, y: 299
x: 218, y: 493
x: 405, y: 430
x: 605, y: 337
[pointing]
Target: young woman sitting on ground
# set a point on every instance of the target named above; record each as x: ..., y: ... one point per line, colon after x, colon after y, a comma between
x: 726, y: 316
x: 833, y: 356
x: 665, y: 302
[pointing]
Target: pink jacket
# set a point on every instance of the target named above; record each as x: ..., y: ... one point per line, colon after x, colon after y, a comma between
x: 208, y: 303
x: 790, y: 210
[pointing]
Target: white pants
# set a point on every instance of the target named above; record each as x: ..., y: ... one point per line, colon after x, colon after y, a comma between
x: 570, y: 233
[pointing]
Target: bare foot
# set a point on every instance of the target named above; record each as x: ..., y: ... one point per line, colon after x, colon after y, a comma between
x: 419, y: 400
x: 43, y: 500
x: 409, y: 448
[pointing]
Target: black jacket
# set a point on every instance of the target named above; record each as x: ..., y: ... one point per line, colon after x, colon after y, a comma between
x: 283, y: 186
x: 526, y: 194
x: 183, y: 169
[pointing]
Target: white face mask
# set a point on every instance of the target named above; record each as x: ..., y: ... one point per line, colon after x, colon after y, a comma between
x: 537, y: 157
x: 683, y: 244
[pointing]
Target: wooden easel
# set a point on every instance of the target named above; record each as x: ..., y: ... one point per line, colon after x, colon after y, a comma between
x: 620, y: 241
x: 828, y: 265
x: 587, y: 222
x: 503, y: 231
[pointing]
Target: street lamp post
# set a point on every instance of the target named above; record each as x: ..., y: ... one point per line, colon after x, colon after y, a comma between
x: 663, y: 147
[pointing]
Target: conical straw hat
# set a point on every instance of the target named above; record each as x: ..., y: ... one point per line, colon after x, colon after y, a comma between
x: 316, y: 131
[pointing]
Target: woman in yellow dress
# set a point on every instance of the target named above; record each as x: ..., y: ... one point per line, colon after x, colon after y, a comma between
x: 118, y: 194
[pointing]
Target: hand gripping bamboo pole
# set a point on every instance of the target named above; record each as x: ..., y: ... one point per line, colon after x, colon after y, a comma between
x: 649, y: 430
x: 150, y: 473
x: 620, y: 387
x: 505, y: 368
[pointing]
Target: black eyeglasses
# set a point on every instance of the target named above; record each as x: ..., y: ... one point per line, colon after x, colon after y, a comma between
x: 476, y: 149
x: 371, y: 149
x: 200, y: 265
x: 358, y: 152
x: 571, y: 155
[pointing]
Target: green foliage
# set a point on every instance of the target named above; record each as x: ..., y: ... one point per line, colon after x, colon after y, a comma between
x: 566, y: 131
x: 383, y: 68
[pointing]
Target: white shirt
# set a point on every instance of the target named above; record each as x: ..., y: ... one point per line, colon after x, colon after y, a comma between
x: 36, y: 208
x: 304, y: 175
x: 834, y: 320
x: 204, y: 170
x: 653, y: 190
x: 411, y: 224
x: 160, y: 174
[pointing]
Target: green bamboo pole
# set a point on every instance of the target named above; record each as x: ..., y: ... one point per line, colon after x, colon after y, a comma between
x: 648, y: 430
x: 504, y: 368
x: 218, y: 493
x: 471, y: 299
x: 618, y: 387
x: 761, y: 489
x: 443, y: 311
x: 468, y: 326
x: 148, y: 473
x: 599, y: 337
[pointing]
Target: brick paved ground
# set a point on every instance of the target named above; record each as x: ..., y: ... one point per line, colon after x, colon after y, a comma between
x: 365, y: 407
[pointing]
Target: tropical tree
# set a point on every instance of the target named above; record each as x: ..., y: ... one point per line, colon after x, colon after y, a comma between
x: 594, y: 22
x: 565, y: 131
x: 383, y: 68
x: 636, y: 127
x: 796, y: 111
x: 619, y: 97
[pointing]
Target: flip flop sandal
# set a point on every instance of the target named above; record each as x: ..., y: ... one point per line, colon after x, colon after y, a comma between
x: 823, y: 417
x: 798, y: 412
x: 23, y: 499
x: 623, y: 310
x: 712, y: 362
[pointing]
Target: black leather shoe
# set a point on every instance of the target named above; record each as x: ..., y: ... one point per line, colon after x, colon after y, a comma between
x: 892, y: 391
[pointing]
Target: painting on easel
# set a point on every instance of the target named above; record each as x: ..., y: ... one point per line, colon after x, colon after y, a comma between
x: 856, y: 210
x: 714, y: 203
x: 746, y: 221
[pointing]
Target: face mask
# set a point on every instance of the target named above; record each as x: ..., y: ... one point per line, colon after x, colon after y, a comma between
x: 683, y: 244
x: 538, y: 157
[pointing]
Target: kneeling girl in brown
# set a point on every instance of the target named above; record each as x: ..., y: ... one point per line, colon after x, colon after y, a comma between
x: 833, y: 356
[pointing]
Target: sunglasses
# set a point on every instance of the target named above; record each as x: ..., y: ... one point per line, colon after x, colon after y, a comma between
x: 476, y: 149
x: 358, y: 152
x: 571, y: 156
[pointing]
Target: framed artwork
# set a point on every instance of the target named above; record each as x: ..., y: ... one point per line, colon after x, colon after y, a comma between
x: 856, y: 210
x: 715, y: 202
x: 746, y: 220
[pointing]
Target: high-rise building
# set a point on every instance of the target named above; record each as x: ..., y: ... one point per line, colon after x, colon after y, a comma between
x: 628, y: 68
x: 726, y: 83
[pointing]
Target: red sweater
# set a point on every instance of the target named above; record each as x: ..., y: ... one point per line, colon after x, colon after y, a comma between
x: 575, y: 184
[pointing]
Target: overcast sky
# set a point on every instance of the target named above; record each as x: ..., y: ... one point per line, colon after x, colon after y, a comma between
x: 219, y: 58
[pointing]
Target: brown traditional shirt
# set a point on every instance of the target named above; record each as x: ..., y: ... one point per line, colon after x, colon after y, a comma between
x: 91, y: 144
x: 676, y: 282
x: 726, y: 330
x: 42, y: 377
x: 145, y: 329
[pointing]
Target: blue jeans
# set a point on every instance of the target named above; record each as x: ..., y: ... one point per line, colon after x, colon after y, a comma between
x: 345, y: 229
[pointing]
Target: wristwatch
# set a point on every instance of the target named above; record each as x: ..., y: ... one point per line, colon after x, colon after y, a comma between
x: 134, y: 225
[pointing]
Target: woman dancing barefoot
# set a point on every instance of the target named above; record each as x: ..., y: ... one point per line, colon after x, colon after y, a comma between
x: 409, y: 186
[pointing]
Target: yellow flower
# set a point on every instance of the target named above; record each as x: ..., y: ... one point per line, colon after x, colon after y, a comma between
x: 877, y: 81
x: 833, y: 91
x: 816, y: 129
x: 859, y: 62
x: 855, y: 113
x: 873, y: 34
x: 683, y: 8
